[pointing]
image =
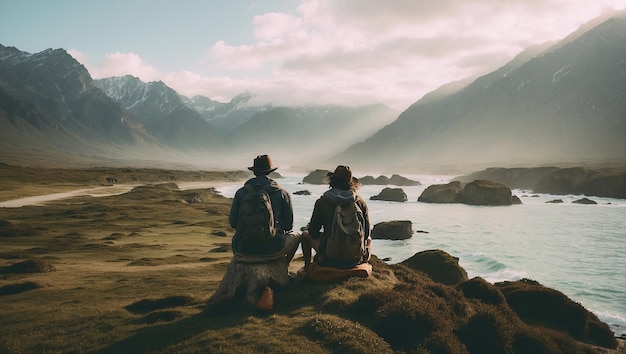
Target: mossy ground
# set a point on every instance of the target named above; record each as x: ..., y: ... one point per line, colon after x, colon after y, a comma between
x: 133, y: 273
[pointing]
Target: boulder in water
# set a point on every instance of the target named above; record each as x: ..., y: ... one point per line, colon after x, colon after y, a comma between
x: 393, y: 230
x: 391, y: 195
x: 483, y: 192
x: 317, y: 177
x: 585, y: 201
x: 441, y: 193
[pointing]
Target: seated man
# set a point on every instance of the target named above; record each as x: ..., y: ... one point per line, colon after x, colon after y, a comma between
x: 262, y: 215
x: 331, y: 253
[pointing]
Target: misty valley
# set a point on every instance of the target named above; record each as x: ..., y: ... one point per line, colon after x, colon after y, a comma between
x: 115, y: 195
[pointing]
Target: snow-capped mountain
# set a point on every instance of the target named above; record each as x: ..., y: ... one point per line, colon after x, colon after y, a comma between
x: 225, y: 117
x: 163, y: 112
x: 49, y: 103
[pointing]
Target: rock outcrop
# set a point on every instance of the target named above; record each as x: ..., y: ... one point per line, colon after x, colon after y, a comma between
x: 578, y: 180
x: 439, y: 266
x: 393, y: 230
x: 395, y: 180
x: 391, y: 195
x: 441, y: 193
x: 479, y: 192
x: 520, y: 177
x: 317, y: 177
x: 320, y: 176
x: 537, y: 305
x: 609, y: 182
x: 482, y: 192
x: 585, y: 201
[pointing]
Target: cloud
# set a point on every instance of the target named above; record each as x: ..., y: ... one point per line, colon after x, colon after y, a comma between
x: 272, y: 26
x: 365, y: 51
x: 368, y: 50
x: 120, y: 64
x: 218, y: 88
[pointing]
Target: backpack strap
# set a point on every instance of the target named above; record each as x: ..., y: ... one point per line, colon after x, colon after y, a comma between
x: 252, y: 187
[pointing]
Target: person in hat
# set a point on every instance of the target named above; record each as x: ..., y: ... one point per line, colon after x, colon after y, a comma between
x: 286, y: 242
x: 343, y: 188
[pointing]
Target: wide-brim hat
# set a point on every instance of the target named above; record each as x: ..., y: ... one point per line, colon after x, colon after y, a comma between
x: 262, y: 163
x: 342, y: 173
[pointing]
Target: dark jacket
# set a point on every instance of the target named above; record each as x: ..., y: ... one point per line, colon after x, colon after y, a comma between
x: 281, y: 207
x: 322, y: 218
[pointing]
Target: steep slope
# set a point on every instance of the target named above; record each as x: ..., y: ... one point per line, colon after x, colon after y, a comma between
x: 162, y: 112
x: 61, y: 89
x: 564, y: 105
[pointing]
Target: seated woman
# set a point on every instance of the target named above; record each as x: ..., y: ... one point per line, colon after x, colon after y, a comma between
x: 343, y: 191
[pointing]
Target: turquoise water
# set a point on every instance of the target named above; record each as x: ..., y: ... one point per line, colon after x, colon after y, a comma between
x: 579, y: 250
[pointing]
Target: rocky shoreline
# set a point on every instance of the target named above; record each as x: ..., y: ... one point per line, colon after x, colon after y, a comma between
x: 600, y: 182
x: 133, y: 272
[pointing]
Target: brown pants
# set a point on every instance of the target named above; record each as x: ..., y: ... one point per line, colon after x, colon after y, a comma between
x: 292, y: 241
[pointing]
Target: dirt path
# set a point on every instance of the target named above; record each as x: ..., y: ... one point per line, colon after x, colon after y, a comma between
x: 94, y: 192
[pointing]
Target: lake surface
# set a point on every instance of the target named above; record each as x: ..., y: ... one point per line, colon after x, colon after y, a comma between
x: 577, y: 249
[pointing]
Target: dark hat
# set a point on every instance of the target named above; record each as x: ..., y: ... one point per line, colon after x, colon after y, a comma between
x: 263, y: 164
x: 342, y: 173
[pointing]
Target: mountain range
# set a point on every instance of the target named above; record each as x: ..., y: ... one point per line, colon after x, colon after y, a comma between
x: 559, y: 103
x: 314, y: 132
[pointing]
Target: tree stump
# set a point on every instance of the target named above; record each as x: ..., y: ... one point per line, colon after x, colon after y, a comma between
x: 246, y: 281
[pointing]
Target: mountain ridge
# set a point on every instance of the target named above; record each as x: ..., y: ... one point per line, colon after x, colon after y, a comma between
x: 162, y: 112
x: 562, y: 105
x: 313, y: 132
x: 556, y: 103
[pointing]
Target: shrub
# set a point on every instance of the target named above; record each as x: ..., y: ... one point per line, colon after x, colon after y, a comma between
x: 480, y: 289
x: 343, y: 336
x: 32, y: 265
x: 487, y: 332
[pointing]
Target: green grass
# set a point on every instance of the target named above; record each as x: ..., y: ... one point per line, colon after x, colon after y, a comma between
x: 134, y: 272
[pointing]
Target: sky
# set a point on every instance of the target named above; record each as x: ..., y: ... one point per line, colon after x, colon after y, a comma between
x: 295, y: 52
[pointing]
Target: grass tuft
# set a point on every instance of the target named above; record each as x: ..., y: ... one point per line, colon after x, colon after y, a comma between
x: 487, y: 332
x: 480, y: 289
x: 344, y: 336
x: 8, y: 229
x: 32, y: 265
x: 12, y: 289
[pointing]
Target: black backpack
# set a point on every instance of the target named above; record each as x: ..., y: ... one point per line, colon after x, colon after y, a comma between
x: 346, y: 240
x: 256, y: 226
